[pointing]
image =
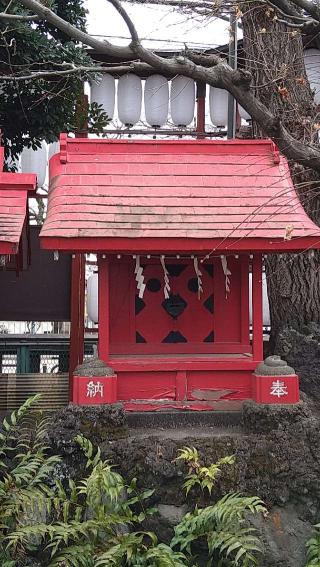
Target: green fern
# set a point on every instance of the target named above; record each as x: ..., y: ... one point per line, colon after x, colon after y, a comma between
x: 141, y: 549
x: 10, y: 426
x: 313, y: 549
x: 95, y: 523
x: 224, y: 528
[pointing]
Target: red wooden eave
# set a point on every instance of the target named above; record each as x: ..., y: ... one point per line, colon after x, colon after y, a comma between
x: 14, y: 188
x: 199, y: 195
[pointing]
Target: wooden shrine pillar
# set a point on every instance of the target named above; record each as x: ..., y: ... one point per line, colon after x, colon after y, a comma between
x: 257, y: 308
x: 245, y: 322
x: 201, y: 109
x: 103, y: 308
x: 78, y: 271
x: 77, y: 315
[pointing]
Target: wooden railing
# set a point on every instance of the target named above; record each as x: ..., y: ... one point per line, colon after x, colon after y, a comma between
x: 16, y: 388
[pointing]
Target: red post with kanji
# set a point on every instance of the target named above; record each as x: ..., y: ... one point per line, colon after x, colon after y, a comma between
x: 94, y: 390
x: 274, y: 382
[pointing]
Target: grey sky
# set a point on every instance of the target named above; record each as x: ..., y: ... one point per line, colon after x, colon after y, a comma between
x: 153, y: 22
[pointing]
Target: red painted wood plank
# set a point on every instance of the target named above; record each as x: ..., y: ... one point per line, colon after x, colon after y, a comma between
x: 127, y: 220
x: 244, y: 284
x: 216, y: 205
x: 124, y: 348
x: 203, y: 386
x: 257, y: 308
x: 103, y: 305
x: 18, y: 197
x: 169, y: 158
x: 173, y: 169
x: 217, y: 147
x: 17, y: 181
x: 160, y: 245
x: 77, y: 316
x: 174, y: 364
x: 230, y: 182
x: 181, y: 385
x: 139, y: 386
x: 228, y: 405
x: 175, y: 230
x: 63, y: 185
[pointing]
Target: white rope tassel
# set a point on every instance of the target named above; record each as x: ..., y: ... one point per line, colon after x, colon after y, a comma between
x: 139, y: 277
x: 227, y: 273
x: 199, y: 276
x: 166, y: 289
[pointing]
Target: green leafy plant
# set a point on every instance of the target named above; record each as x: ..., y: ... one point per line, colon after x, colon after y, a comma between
x: 313, y: 548
x: 199, y: 475
x: 88, y: 524
x: 97, y: 521
x: 23, y: 485
x: 223, y: 527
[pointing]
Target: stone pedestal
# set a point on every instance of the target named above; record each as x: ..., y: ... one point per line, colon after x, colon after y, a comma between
x: 94, y: 383
x: 88, y: 390
x: 274, y: 382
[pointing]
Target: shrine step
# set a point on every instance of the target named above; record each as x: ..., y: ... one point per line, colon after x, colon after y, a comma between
x: 171, y: 419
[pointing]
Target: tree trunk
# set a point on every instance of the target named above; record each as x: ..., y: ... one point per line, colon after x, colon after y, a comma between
x: 273, y: 54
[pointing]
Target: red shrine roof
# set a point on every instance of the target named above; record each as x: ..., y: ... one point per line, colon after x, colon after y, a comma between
x: 14, y: 189
x: 112, y: 195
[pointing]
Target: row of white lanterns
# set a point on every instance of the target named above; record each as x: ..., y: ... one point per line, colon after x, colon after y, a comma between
x: 181, y: 97
x: 157, y: 100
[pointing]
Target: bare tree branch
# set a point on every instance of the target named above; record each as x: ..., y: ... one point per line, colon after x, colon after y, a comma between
x: 135, y: 66
x: 212, y: 70
x: 16, y: 18
x: 311, y: 8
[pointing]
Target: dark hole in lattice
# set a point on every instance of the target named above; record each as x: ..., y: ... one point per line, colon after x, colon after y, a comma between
x: 209, y: 338
x: 175, y: 337
x: 175, y: 269
x: 140, y: 338
x: 174, y: 305
x: 139, y: 305
x: 208, y: 303
x: 208, y: 268
x: 153, y: 285
x: 193, y: 285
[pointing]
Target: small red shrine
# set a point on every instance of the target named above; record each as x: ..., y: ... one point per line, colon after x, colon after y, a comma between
x: 14, y: 217
x: 177, y: 227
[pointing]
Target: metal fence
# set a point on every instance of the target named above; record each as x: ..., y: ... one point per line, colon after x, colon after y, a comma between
x: 31, y: 364
x: 37, y: 354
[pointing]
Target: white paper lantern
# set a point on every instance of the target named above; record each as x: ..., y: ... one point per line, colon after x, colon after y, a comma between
x: 92, y: 298
x: 129, y: 99
x: 104, y: 93
x: 182, y: 100
x: 312, y: 64
x: 218, y: 102
x: 35, y: 161
x: 54, y: 149
x: 265, y: 301
x: 243, y: 113
x: 156, y: 100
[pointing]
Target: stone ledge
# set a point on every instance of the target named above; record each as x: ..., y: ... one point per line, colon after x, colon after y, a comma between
x: 263, y: 418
